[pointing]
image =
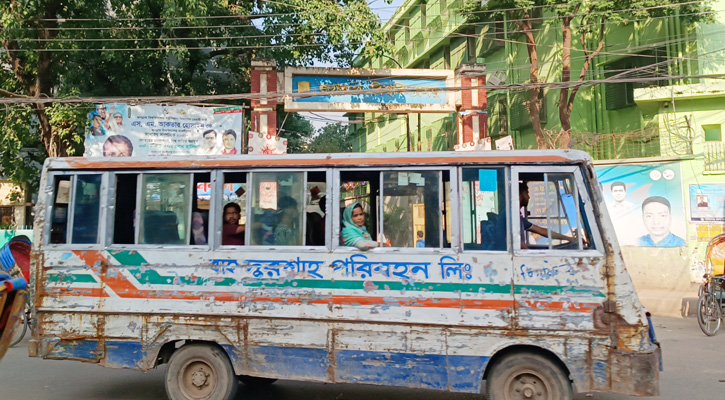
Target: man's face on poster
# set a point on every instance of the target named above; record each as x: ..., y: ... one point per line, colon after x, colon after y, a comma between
x: 618, y: 193
x: 101, y: 111
x: 210, y: 140
x: 657, y: 219
x: 119, y: 149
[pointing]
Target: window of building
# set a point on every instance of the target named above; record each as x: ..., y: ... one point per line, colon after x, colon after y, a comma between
x: 483, y: 211
x: 712, y: 133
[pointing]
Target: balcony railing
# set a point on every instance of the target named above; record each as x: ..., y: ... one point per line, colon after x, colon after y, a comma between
x: 714, y: 157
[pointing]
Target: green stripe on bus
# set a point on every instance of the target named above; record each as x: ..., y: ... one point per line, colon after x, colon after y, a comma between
x: 128, y: 257
x: 71, y: 278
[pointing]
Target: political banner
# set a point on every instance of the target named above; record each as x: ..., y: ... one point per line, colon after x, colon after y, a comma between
x: 645, y: 203
x: 122, y: 130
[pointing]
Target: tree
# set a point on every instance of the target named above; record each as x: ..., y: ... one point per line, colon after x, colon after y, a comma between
x: 57, y: 49
x: 331, y: 138
x: 583, y: 21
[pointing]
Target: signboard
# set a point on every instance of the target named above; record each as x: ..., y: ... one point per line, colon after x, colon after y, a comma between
x: 645, y: 203
x: 260, y: 143
x: 707, y: 203
x: 367, y: 90
x: 121, y: 130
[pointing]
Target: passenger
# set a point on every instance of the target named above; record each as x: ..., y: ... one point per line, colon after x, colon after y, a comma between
x: 528, y: 226
x: 354, y: 232
x: 286, y: 232
x: 421, y: 240
x: 316, y: 225
x: 232, y: 232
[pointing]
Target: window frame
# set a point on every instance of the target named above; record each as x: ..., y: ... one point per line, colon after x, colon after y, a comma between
x: 110, y: 217
x: 50, y: 206
x: 507, y: 210
x: 453, y: 213
x: 582, y: 198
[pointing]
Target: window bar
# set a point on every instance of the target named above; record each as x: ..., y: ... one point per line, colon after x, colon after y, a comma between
x: 546, y: 207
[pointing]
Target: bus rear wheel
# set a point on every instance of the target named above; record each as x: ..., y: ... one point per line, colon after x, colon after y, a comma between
x: 527, y: 376
x: 200, y: 372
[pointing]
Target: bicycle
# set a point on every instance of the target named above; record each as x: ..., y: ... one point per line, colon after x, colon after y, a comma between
x: 710, y: 297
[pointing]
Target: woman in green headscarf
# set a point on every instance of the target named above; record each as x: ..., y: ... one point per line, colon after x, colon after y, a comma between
x: 354, y: 232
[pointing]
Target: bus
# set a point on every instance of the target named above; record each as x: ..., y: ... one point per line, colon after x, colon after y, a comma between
x: 491, y: 272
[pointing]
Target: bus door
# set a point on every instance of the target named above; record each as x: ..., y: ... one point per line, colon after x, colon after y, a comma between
x: 559, y: 258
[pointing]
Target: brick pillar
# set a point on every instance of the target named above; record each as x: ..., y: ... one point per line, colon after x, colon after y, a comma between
x: 264, y: 83
x: 472, y: 116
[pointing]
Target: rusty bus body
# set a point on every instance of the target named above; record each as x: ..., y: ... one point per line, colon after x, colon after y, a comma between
x: 451, y: 315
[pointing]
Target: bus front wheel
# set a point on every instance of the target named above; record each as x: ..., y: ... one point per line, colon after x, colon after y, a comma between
x: 527, y: 376
x: 200, y: 371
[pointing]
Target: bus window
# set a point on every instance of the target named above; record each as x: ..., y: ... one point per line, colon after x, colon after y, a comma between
x: 315, y: 209
x: 276, y: 211
x: 59, y: 213
x: 125, y: 213
x: 554, y: 205
x: 412, y: 208
x: 235, y: 192
x: 483, y: 210
x: 361, y: 187
x: 200, y: 209
x: 165, y: 209
x: 76, y: 197
x: 86, y: 209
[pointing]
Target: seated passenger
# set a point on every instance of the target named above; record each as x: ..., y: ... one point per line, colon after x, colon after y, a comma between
x: 232, y: 232
x: 286, y: 232
x: 354, y: 232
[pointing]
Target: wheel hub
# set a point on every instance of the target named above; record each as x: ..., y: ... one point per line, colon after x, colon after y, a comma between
x: 528, y: 387
x: 199, y: 378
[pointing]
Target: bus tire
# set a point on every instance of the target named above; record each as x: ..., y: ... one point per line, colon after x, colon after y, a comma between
x: 255, y: 381
x: 527, y: 376
x: 200, y: 371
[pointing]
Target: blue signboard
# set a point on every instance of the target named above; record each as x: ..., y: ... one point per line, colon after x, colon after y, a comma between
x: 422, y: 90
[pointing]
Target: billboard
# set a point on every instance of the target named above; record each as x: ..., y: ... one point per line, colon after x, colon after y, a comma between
x: 122, y: 130
x: 645, y: 203
x: 367, y: 90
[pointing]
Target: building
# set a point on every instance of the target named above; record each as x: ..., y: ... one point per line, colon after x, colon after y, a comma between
x: 659, y: 123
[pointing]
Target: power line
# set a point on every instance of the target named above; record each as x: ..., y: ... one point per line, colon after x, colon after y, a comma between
x: 279, y: 95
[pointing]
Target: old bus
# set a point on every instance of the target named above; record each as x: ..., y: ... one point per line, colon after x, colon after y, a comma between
x: 131, y: 271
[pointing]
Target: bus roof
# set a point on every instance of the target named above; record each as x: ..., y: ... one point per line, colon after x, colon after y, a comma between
x: 324, y: 160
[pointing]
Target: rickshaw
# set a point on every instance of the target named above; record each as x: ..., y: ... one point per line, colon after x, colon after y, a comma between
x: 712, y: 291
x: 13, y: 272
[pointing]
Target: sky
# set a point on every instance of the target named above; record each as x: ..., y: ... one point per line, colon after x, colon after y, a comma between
x: 384, y: 11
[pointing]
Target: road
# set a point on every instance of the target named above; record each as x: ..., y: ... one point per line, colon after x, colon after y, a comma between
x: 694, y: 369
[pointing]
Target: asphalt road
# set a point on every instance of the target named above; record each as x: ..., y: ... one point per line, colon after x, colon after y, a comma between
x: 694, y: 369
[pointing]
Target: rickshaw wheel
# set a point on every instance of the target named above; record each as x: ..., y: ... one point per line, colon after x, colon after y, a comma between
x: 709, y: 314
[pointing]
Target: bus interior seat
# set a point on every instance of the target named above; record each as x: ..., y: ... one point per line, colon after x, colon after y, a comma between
x: 161, y: 227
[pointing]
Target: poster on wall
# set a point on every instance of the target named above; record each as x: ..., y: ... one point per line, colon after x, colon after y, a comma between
x: 707, y: 203
x: 122, y: 130
x: 645, y: 203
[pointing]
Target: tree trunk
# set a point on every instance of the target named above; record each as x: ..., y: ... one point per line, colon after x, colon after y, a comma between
x: 562, y: 140
x: 534, y: 108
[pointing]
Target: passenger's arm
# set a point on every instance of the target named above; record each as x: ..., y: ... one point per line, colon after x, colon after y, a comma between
x: 554, y: 235
x: 365, y: 244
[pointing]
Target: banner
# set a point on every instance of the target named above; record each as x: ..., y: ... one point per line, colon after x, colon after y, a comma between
x: 645, y: 203
x: 121, y: 130
x: 260, y: 143
x: 707, y: 203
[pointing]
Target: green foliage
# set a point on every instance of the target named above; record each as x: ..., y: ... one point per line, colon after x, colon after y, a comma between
x: 331, y: 138
x: 296, y: 130
x: 129, y: 48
